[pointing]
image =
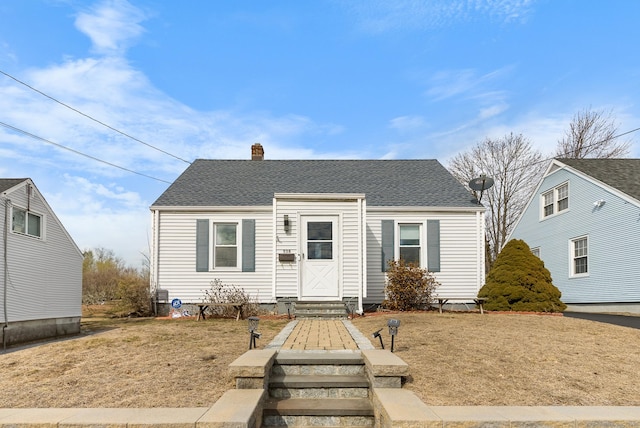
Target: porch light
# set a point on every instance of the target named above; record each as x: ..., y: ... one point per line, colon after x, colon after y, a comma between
x: 377, y: 334
x: 393, y: 330
x: 286, y: 223
x: 253, y: 333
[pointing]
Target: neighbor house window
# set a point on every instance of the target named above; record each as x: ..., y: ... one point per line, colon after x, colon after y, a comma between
x: 26, y: 222
x: 225, y: 246
x: 580, y: 256
x: 410, y: 248
x: 555, y: 201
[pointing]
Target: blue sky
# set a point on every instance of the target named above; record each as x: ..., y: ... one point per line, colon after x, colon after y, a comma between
x: 360, y: 79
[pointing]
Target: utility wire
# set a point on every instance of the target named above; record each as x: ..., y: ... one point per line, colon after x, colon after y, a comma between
x: 92, y: 118
x: 28, y: 134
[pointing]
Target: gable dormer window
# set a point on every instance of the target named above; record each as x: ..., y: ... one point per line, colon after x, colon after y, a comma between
x: 555, y: 201
x: 26, y: 222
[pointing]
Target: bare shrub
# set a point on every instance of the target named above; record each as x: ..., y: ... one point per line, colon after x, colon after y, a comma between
x: 221, y: 293
x: 408, y: 286
x: 134, y: 295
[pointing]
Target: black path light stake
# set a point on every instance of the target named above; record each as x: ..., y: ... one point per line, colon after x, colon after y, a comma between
x: 377, y: 334
x: 393, y: 330
x: 288, y: 305
x: 253, y: 334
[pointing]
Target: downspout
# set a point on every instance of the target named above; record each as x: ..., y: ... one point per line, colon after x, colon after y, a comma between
x: 155, y: 257
x: 362, y: 259
x: 5, y: 235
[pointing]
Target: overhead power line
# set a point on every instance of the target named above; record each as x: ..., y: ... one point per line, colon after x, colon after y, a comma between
x: 92, y: 118
x: 35, y: 137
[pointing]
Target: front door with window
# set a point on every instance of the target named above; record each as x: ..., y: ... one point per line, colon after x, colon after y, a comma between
x: 320, y: 258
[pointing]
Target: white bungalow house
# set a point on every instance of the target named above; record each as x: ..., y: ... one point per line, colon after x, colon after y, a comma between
x: 314, y: 230
x: 40, y: 268
x: 583, y: 221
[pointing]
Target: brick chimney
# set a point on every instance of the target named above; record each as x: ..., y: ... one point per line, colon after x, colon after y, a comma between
x: 257, y: 152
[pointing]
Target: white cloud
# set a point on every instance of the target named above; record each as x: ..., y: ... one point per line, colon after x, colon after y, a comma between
x: 112, y: 25
x: 379, y: 16
x: 407, y: 123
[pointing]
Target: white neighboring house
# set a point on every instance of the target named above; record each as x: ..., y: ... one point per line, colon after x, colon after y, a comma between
x: 40, y: 268
x: 583, y: 221
x: 314, y: 230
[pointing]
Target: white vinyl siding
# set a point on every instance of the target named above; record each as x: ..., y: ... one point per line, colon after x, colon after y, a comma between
x: 45, y: 275
x: 176, y: 255
x: 461, y: 250
x: 287, y: 280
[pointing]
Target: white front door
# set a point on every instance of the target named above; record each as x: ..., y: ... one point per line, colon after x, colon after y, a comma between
x: 320, y: 258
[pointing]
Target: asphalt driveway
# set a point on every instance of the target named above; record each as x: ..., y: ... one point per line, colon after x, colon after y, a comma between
x: 621, y: 320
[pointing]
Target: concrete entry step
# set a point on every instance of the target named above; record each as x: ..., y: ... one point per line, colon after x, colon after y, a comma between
x: 318, y: 381
x: 321, y: 310
x: 313, y: 407
x: 316, y: 358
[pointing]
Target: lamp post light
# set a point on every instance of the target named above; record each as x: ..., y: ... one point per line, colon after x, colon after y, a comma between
x: 393, y: 330
x: 377, y: 334
x: 253, y: 334
x: 287, y: 303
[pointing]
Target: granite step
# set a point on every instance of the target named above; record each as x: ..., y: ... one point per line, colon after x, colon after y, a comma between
x: 354, y: 412
x: 319, y: 386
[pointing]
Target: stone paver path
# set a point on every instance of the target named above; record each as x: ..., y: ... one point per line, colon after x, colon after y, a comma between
x: 317, y: 335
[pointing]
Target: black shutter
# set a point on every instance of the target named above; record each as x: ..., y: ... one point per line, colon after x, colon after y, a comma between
x: 202, y: 245
x: 387, y: 243
x: 248, y: 245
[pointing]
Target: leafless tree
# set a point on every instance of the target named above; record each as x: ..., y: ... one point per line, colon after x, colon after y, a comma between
x: 515, y: 168
x: 592, y: 134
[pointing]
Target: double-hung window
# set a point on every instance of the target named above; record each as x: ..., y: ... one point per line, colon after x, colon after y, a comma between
x: 225, y: 245
x: 579, y: 248
x: 26, y: 223
x: 555, y: 201
x: 410, y: 247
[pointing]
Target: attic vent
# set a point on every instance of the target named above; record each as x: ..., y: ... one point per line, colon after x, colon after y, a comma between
x: 257, y: 152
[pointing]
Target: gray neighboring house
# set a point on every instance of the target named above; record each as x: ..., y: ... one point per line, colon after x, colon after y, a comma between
x: 314, y: 230
x: 40, y: 268
x: 583, y: 221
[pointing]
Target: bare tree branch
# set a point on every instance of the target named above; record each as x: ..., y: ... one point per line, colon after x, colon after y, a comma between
x: 516, y: 169
x: 592, y: 134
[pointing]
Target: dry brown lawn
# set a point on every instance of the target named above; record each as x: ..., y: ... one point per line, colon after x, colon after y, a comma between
x: 465, y: 359
x: 455, y: 359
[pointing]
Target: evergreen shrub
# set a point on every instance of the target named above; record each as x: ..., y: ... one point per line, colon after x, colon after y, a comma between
x: 518, y: 281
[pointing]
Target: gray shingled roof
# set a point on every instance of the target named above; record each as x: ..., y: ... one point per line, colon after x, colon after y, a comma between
x: 622, y: 174
x: 253, y: 183
x: 8, y: 183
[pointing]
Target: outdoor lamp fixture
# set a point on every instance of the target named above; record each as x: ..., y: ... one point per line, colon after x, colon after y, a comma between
x: 377, y: 334
x: 253, y: 334
x: 287, y: 303
x: 393, y: 330
x: 286, y: 223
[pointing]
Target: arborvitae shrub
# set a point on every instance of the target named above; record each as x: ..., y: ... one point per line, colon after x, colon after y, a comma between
x: 518, y: 281
x: 408, y: 287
